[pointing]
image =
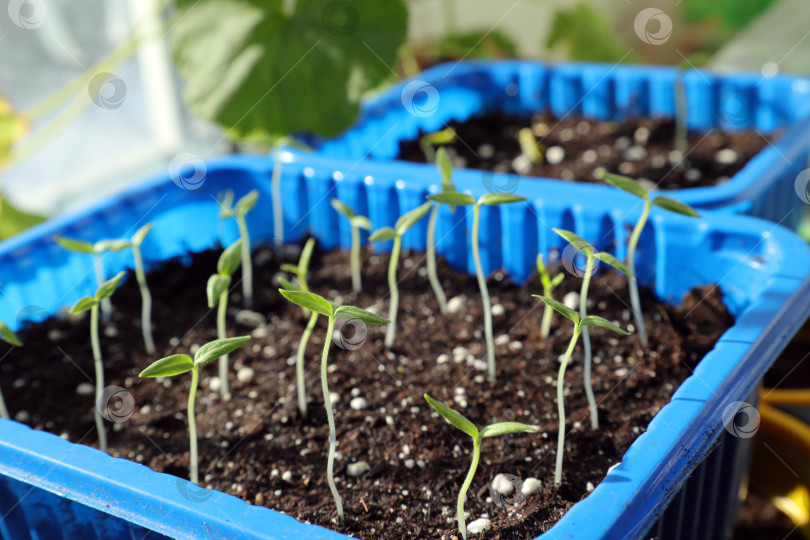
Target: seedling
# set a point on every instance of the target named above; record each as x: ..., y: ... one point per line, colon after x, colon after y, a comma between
x: 238, y: 212
x: 529, y: 146
x: 634, y: 188
x: 318, y: 304
x: 356, y: 223
x: 217, y: 292
x: 446, y: 170
x: 7, y: 335
x: 592, y: 256
x: 402, y: 225
x: 549, y: 284
x: 428, y: 141
x: 492, y: 430
x: 177, y: 364
x: 300, y: 272
x: 579, y: 324
x: 92, y: 303
x: 490, y: 199
x: 80, y: 246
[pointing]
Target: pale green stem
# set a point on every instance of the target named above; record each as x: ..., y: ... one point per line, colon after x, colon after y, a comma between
x: 146, y: 301
x: 247, y: 266
x: 275, y: 186
x: 681, y: 140
x: 390, y: 333
x: 561, y: 406
x: 106, y: 305
x: 586, y: 341
x: 193, y: 464
x: 357, y: 283
x: 330, y: 477
x: 548, y: 312
x: 299, y: 364
x: 3, y: 408
x: 222, y: 334
x: 433, y: 275
x: 482, y: 285
x: 632, y: 284
x: 462, y: 495
x: 102, y: 434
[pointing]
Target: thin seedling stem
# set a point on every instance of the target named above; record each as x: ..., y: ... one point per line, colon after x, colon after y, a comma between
x: 357, y: 284
x: 275, y: 186
x: 146, y: 297
x: 193, y: 464
x: 561, y: 406
x: 331, y: 419
x: 102, y: 434
x: 106, y: 304
x: 462, y: 494
x: 635, y: 304
x: 299, y: 364
x: 222, y: 334
x: 390, y: 332
x: 433, y: 276
x: 482, y: 285
x: 586, y: 342
x: 247, y: 267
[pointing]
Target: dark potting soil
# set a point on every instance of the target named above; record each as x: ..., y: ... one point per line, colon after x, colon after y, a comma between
x: 792, y: 367
x: 256, y: 446
x: 639, y: 148
x: 759, y: 519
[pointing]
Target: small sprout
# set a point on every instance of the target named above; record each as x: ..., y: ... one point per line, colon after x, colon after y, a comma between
x: 549, y: 285
x: 217, y: 292
x: 92, y: 303
x: 529, y: 146
x: 146, y: 297
x: 446, y: 169
x: 490, y: 199
x: 238, y: 212
x: 634, y: 188
x: 356, y: 223
x: 579, y: 323
x: 591, y: 255
x: 428, y: 141
x: 318, y: 304
x: 492, y: 430
x: 178, y: 364
x: 7, y: 335
x: 301, y: 272
x: 402, y: 225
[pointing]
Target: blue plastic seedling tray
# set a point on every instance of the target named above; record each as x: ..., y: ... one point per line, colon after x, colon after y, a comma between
x: 763, y: 188
x: 51, y: 488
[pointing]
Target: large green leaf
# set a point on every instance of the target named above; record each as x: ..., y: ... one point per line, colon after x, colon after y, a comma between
x: 410, y: 219
x: 111, y: 245
x: 306, y: 256
x: 625, y: 184
x: 503, y: 428
x: 614, y: 262
x: 342, y: 208
x: 446, y: 169
x: 220, y: 347
x: 356, y: 314
x: 8, y: 335
x: 593, y: 320
x: 674, y: 206
x: 140, y: 234
x: 83, y: 304
x: 230, y: 259
x: 260, y: 71
x: 77, y: 246
x: 576, y: 241
x: 246, y: 203
x: 454, y: 417
x: 494, y: 199
x: 453, y: 198
x: 382, y: 235
x: 108, y: 287
x: 217, y: 284
x: 308, y: 300
x: 169, y: 366
x: 561, y: 308
x: 361, y: 222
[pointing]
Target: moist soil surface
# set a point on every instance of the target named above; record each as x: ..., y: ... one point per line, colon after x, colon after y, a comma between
x: 639, y: 148
x: 258, y: 448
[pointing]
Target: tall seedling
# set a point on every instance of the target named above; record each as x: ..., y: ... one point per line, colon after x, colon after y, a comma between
x: 238, y: 212
x: 356, y: 223
x: 490, y: 199
x: 549, y: 284
x: 217, y: 292
x: 446, y: 169
x: 7, y: 335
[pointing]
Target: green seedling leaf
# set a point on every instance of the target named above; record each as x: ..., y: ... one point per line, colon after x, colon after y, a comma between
x: 575, y: 241
x: 140, y: 234
x: 306, y: 255
x: 226, y: 204
x: 310, y: 301
x: 408, y: 220
x: 556, y: 280
x: 444, y: 136
x: 8, y: 335
x: 83, y: 304
x: 288, y: 285
x: 445, y: 168
x: 561, y: 308
x: 342, y: 208
x: 246, y: 203
x: 502, y: 428
x: 674, y: 206
x: 291, y: 268
x: 356, y: 314
x: 593, y: 320
x: 453, y: 198
x: 494, y: 199
x: 625, y: 184
x: 77, y: 246
x: 108, y: 287
x: 170, y: 366
x: 217, y: 284
x: 381, y: 235
x: 529, y: 145
x: 220, y: 347
x: 454, y: 417
x: 361, y: 222
x: 111, y: 245
x: 614, y: 262
x: 230, y: 259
